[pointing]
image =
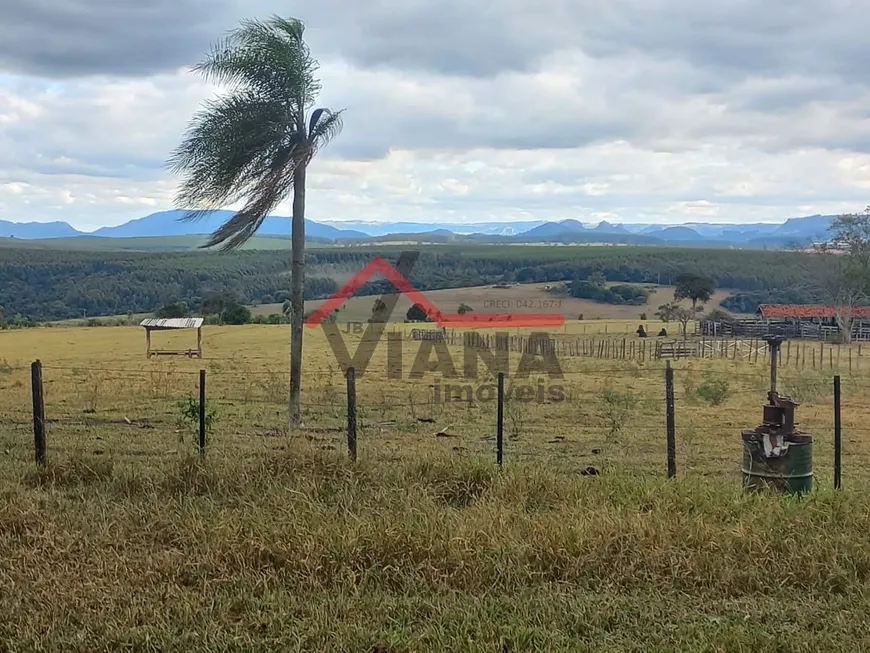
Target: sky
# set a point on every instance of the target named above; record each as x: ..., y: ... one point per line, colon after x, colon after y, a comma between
x: 630, y: 111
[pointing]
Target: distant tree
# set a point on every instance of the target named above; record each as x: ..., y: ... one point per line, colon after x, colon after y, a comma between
x: 378, y: 311
x: 685, y: 315
x: 417, y: 314
x: 236, y: 314
x: 3, y: 323
x: 216, y: 304
x: 253, y: 145
x: 845, y: 279
x: 668, y: 312
x: 173, y: 310
x: 719, y: 315
x: 464, y: 308
x: 695, y: 287
x: 597, y: 279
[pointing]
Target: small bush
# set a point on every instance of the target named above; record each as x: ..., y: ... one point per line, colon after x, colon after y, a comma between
x: 643, y: 316
x: 713, y: 390
x: 188, y: 418
x: 616, y: 409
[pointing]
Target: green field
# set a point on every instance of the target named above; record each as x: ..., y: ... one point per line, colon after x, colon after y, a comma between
x: 276, y: 541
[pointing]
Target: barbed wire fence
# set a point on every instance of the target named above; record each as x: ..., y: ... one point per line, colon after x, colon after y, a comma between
x: 635, y: 420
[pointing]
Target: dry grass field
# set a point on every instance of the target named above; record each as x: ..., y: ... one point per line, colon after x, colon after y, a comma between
x: 276, y: 541
x: 525, y: 298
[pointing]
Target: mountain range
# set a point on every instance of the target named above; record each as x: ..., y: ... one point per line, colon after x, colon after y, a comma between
x: 794, y: 231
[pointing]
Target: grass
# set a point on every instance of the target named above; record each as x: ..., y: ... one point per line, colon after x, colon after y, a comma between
x: 127, y: 540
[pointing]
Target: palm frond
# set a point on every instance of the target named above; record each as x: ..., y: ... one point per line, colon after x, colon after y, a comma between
x: 315, y: 118
x: 327, y: 126
x: 228, y: 148
x: 270, y: 57
x: 273, y: 188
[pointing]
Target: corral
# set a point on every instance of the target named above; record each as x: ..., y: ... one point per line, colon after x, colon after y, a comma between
x: 812, y: 321
x: 276, y: 532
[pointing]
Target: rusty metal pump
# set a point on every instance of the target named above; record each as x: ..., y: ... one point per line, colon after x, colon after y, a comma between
x: 769, y: 450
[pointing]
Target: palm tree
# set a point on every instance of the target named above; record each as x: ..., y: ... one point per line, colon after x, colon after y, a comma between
x: 253, y: 145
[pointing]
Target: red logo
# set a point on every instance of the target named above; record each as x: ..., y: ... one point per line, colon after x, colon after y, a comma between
x: 453, y: 320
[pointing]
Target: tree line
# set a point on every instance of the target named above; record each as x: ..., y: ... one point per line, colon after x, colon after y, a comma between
x: 46, y: 285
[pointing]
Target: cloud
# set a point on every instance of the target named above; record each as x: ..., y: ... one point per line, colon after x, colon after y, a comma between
x: 465, y: 111
x: 72, y: 38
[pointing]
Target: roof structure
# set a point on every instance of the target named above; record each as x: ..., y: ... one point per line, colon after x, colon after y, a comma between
x: 160, y: 324
x: 807, y: 311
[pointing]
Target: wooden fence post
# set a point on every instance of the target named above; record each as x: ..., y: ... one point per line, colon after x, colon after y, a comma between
x: 838, y: 445
x: 499, y: 426
x: 202, y: 417
x: 38, y: 412
x: 351, y: 413
x: 669, y: 405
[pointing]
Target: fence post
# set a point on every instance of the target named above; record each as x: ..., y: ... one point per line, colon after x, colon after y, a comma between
x: 351, y: 413
x: 838, y: 443
x: 202, y: 412
x: 669, y: 405
x: 499, y: 429
x: 38, y: 412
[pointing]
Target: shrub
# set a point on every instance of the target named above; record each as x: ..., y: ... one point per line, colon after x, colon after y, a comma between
x: 616, y: 409
x: 237, y: 314
x: 174, y: 310
x: 417, y: 314
x: 713, y: 390
x: 618, y: 294
x: 188, y: 417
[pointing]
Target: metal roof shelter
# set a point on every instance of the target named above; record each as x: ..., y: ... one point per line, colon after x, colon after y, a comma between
x: 171, y: 324
x: 808, y: 311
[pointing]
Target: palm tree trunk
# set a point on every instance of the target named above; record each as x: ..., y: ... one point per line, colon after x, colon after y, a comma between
x: 297, y: 303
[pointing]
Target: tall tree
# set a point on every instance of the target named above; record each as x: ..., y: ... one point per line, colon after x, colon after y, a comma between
x: 844, y: 281
x: 696, y: 287
x: 253, y: 145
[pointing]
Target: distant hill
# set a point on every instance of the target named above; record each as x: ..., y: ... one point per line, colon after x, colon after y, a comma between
x: 675, y: 234
x: 167, y: 223
x: 814, y: 226
x: 436, y: 236
x: 31, y: 230
x: 573, y: 231
x: 605, y: 227
x: 554, y: 229
x: 390, y: 228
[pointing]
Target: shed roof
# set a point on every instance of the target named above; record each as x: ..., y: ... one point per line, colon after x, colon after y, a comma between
x: 808, y: 311
x: 171, y: 323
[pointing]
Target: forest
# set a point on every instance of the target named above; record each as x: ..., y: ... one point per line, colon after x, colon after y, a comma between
x: 57, y: 284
